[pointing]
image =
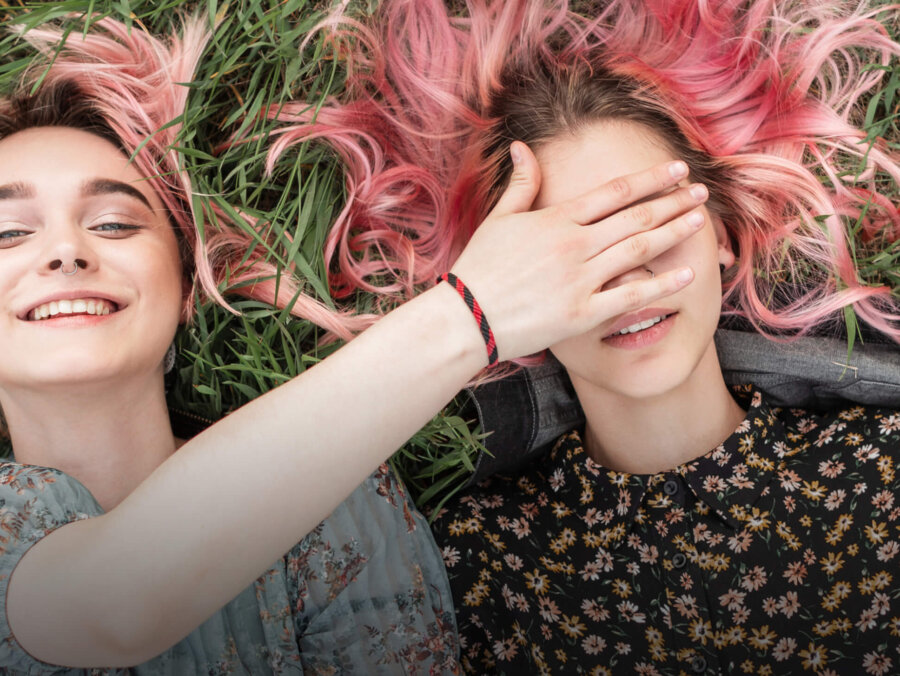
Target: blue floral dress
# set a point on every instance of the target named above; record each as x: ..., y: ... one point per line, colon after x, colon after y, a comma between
x: 366, y: 592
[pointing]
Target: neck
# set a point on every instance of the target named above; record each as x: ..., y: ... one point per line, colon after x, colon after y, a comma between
x: 109, y: 437
x: 658, y: 433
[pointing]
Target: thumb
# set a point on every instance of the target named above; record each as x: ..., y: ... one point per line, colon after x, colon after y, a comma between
x: 524, y: 182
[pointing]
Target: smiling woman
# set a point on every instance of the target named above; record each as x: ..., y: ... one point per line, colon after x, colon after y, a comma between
x: 667, y: 351
x: 646, y: 540
x: 110, y: 235
x: 123, y: 546
x: 94, y: 281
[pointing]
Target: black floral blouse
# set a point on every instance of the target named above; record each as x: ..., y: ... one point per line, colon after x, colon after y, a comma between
x: 776, y: 553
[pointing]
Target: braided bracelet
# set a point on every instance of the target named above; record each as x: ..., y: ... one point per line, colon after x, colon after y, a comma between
x: 475, y: 308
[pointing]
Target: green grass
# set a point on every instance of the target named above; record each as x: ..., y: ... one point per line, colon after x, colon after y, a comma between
x: 254, y: 59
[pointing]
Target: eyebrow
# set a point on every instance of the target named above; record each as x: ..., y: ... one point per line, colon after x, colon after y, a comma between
x: 14, y: 191
x: 92, y: 188
x: 105, y: 186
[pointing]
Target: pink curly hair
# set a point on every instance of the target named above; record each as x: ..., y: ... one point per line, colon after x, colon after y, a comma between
x: 759, y: 98
x: 132, y: 83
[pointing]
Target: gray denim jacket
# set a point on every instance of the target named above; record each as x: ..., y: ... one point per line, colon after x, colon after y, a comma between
x: 527, y: 411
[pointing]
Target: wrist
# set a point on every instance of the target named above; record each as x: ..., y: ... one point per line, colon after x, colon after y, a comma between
x: 484, y: 327
x: 454, y: 326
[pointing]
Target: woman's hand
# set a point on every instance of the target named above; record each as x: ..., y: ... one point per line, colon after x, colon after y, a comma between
x: 538, y: 275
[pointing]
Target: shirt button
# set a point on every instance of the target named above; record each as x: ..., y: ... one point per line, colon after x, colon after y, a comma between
x: 679, y: 560
x: 670, y: 487
x: 698, y: 664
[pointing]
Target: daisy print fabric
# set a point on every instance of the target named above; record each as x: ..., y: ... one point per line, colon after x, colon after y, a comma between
x: 775, y: 553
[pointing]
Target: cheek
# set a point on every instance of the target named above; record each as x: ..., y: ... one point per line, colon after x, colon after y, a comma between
x: 162, y: 280
x: 12, y: 270
x: 573, y: 352
x: 172, y: 286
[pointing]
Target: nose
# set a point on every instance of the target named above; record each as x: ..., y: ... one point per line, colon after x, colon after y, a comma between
x: 78, y: 263
x: 68, y: 251
x: 633, y: 275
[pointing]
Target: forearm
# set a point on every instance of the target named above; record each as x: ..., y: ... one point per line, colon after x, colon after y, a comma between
x: 187, y: 531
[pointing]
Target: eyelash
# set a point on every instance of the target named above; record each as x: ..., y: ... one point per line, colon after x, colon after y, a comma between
x: 123, y: 229
x: 112, y: 230
x: 10, y: 234
x: 9, y: 238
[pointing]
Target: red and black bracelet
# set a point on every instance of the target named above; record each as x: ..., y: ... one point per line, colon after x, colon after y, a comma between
x: 475, y: 308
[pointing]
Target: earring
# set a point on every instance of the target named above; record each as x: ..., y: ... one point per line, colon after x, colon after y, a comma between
x: 169, y: 359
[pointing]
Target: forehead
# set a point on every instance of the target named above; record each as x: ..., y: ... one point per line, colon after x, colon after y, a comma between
x: 573, y: 164
x: 57, y: 161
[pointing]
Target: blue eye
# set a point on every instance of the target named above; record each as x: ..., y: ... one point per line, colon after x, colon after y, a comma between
x: 9, y: 234
x: 116, y: 228
x: 10, y: 238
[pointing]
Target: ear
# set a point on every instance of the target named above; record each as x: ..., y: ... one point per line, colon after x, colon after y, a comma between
x: 723, y: 239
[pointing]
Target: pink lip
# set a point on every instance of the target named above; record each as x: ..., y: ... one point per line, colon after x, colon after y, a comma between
x: 641, y: 339
x: 73, y: 321
x: 635, y: 317
x: 72, y: 295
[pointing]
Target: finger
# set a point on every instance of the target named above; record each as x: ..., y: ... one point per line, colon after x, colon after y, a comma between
x: 524, y: 182
x: 647, y: 215
x: 635, y: 295
x: 624, y: 190
x: 638, y: 249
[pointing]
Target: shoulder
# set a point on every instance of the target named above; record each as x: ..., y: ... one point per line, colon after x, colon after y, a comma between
x: 34, y: 501
x: 851, y: 425
x: 42, y: 497
x: 854, y: 445
x: 504, y: 506
x: 495, y: 495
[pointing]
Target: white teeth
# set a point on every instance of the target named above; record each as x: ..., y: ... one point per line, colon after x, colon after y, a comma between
x: 91, y: 306
x: 640, y: 326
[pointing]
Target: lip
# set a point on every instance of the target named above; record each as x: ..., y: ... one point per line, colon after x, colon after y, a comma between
x: 72, y: 321
x: 642, y: 339
x: 635, y: 317
x: 73, y: 294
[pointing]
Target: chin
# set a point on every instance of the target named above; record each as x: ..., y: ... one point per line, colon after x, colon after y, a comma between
x: 638, y: 379
x: 649, y: 385
x: 75, y: 369
x: 82, y: 374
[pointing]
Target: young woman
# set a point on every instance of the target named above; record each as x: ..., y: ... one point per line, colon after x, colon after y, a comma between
x: 123, y: 546
x: 683, y: 529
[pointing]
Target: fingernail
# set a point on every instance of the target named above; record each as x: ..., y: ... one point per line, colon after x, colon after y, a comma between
x: 699, y: 192
x: 695, y: 219
x: 685, y: 275
x: 678, y: 169
x: 515, y: 154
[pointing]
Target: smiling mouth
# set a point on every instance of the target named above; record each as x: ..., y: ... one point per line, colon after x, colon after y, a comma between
x: 77, y: 306
x: 641, y: 326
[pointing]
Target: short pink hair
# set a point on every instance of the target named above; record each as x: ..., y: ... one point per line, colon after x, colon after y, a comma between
x: 763, y: 94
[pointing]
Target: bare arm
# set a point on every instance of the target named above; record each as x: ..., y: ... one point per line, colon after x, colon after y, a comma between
x: 123, y: 587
